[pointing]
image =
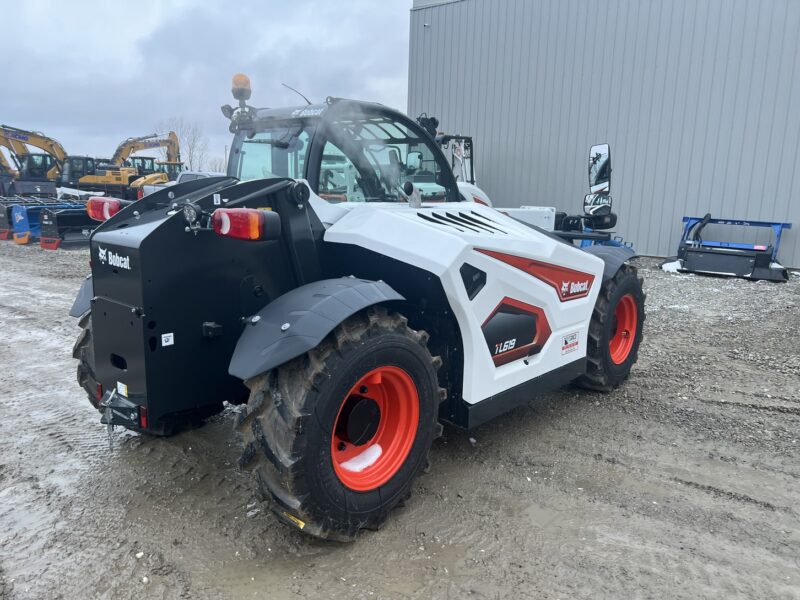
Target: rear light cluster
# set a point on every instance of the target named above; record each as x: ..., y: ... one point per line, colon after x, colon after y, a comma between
x: 240, y: 223
x: 102, y: 209
x: 140, y: 193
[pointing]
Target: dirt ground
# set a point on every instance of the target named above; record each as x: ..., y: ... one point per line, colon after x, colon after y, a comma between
x: 684, y: 483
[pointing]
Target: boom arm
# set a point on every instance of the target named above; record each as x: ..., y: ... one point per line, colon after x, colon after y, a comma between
x: 131, y: 145
x: 16, y: 149
x: 37, y: 140
x: 5, y: 168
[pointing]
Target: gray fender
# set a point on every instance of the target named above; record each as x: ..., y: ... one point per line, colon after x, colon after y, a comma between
x: 613, y: 256
x: 83, y: 301
x: 298, y: 321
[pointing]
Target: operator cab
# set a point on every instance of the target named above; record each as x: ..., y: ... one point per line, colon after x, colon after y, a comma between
x: 348, y: 151
x: 144, y: 165
x: 76, y: 167
x: 170, y: 169
x: 34, y: 167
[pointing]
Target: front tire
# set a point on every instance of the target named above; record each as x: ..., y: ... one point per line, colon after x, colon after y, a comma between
x: 615, y: 331
x: 336, y: 437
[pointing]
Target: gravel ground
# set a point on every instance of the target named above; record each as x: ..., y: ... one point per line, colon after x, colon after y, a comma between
x: 683, y: 483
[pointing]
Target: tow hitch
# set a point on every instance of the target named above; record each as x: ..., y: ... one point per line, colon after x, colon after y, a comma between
x: 118, y: 410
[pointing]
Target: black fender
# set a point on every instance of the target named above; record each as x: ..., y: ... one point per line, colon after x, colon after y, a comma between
x: 83, y: 301
x: 299, y: 320
x: 613, y: 256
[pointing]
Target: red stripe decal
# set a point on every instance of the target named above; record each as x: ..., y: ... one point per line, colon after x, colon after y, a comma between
x: 478, y: 200
x: 568, y: 284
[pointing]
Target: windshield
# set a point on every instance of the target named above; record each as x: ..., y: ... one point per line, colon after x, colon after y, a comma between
x: 35, y: 165
x: 279, y: 151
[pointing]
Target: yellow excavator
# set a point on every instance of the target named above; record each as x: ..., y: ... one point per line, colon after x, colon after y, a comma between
x: 163, y: 171
x: 35, y: 165
x: 55, y: 165
x: 36, y: 172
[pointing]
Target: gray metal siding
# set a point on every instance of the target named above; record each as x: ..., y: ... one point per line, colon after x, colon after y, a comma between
x: 700, y: 102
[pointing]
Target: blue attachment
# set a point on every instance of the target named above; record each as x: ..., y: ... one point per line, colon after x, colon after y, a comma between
x: 776, y: 226
x: 617, y: 242
x: 25, y: 217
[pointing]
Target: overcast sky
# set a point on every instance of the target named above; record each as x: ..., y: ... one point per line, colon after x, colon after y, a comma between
x: 95, y: 73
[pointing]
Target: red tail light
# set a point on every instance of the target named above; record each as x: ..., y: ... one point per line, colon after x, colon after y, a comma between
x: 239, y: 223
x: 140, y: 193
x: 102, y: 209
x: 143, y: 417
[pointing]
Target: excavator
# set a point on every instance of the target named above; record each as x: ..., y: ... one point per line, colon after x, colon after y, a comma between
x: 162, y: 171
x: 37, y: 171
x: 56, y: 166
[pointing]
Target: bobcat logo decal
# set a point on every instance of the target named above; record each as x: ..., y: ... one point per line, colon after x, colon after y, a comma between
x: 113, y: 259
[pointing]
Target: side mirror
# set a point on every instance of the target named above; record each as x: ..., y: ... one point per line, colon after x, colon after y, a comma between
x: 414, y: 161
x: 600, y: 169
x: 597, y: 204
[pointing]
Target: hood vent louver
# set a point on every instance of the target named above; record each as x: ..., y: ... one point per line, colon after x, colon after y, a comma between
x: 462, y: 221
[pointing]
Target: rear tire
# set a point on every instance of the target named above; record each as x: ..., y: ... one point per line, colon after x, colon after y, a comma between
x: 83, y: 350
x: 294, y: 429
x: 615, y: 331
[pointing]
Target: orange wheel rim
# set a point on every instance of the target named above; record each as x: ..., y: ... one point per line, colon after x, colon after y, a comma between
x: 626, y: 317
x: 375, y: 428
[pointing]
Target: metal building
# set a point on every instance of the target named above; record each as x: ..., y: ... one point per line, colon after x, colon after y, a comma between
x: 700, y: 102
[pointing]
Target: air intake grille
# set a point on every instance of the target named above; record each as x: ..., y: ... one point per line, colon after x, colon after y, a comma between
x: 463, y: 221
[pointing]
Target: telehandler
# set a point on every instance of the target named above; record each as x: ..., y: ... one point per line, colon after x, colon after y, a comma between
x: 349, y: 327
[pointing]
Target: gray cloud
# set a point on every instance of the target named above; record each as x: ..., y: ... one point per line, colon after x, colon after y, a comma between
x: 100, y: 72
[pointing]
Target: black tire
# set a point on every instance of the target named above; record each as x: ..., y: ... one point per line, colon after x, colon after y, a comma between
x: 289, y: 420
x: 83, y: 350
x: 602, y: 373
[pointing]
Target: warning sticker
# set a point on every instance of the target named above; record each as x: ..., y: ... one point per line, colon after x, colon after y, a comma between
x: 167, y: 339
x: 122, y: 389
x: 217, y: 199
x: 569, y: 343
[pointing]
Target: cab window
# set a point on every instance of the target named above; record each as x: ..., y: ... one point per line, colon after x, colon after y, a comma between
x: 369, y: 158
x: 276, y: 152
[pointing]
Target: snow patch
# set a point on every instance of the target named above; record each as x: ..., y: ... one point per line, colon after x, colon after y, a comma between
x: 366, y: 459
x: 671, y: 267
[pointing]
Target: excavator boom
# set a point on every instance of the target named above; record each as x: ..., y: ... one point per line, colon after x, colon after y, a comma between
x: 15, y: 149
x: 37, y: 140
x: 154, y: 140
